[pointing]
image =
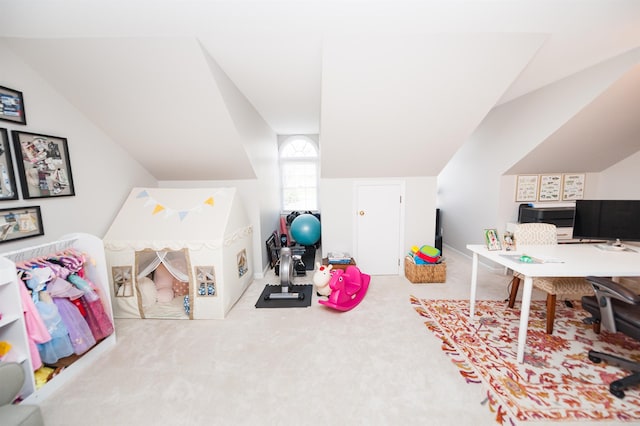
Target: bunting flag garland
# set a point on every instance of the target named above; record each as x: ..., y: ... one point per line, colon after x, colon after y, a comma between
x: 168, y: 211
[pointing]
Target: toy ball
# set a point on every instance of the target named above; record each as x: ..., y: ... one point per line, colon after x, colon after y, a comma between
x: 305, y: 229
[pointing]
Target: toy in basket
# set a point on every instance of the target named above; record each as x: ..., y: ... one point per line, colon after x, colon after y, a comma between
x: 425, y: 265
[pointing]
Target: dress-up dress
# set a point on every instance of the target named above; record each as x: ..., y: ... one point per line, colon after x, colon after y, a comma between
x: 80, y: 334
x: 36, y: 328
x: 60, y: 344
x: 98, y: 320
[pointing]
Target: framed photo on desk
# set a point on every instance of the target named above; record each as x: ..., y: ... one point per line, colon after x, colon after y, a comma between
x: 492, y: 240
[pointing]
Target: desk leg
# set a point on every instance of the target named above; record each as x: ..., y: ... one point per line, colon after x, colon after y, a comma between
x: 524, y: 317
x: 474, y: 285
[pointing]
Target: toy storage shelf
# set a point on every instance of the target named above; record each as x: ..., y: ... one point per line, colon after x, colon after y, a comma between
x: 12, y: 324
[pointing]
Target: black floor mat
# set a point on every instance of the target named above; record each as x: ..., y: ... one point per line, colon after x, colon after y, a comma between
x: 306, y: 289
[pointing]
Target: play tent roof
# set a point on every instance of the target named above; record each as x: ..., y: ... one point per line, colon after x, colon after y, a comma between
x: 175, y: 218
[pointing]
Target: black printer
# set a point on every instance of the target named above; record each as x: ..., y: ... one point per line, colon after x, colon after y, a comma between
x: 558, y: 216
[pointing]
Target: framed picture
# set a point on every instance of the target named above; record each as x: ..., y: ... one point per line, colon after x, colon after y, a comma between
x: 18, y: 223
x: 527, y: 188
x: 550, y: 187
x: 12, y: 106
x: 573, y: 186
x: 491, y: 239
x: 43, y: 165
x: 8, y: 189
x: 509, y: 241
x: 272, y: 250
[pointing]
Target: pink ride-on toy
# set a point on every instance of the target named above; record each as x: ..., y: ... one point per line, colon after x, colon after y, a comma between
x: 348, y: 288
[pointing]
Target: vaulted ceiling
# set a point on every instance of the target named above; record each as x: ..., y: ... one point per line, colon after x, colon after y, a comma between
x: 399, y: 85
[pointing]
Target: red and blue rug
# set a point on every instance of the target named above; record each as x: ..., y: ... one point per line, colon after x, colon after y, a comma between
x: 556, y: 382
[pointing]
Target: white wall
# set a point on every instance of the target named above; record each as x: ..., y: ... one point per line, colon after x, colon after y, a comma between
x: 339, y: 212
x: 620, y: 181
x: 262, y: 196
x: 472, y: 194
x: 103, y: 173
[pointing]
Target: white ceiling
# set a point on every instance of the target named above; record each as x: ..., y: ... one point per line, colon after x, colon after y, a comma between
x: 400, y: 84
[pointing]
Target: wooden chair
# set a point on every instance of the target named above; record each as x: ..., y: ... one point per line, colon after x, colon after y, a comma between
x: 538, y: 234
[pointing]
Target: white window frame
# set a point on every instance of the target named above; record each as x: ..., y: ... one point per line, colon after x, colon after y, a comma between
x: 315, y: 160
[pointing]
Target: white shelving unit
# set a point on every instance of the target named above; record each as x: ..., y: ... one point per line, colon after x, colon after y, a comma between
x: 12, y: 324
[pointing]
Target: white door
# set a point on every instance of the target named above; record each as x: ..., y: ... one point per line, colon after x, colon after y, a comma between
x: 377, y: 228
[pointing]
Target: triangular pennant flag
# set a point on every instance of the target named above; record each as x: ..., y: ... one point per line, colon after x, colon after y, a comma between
x: 143, y: 194
x: 209, y: 201
x: 197, y: 208
x: 182, y: 215
x: 168, y: 213
x: 157, y: 209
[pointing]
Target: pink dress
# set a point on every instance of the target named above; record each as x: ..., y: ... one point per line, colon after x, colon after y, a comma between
x: 36, y: 328
x: 98, y: 320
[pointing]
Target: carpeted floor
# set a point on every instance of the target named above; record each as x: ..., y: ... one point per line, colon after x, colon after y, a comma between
x: 557, y: 380
x: 374, y: 365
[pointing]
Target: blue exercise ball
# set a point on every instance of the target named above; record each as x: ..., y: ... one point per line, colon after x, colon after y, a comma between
x: 305, y: 229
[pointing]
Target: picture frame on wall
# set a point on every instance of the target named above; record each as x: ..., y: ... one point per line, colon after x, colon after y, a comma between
x: 20, y: 222
x: 527, y: 188
x: 8, y: 189
x: 573, y: 186
x: 550, y: 186
x: 12, y: 106
x: 44, y: 165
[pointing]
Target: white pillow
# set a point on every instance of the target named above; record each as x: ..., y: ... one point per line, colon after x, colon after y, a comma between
x: 147, y: 291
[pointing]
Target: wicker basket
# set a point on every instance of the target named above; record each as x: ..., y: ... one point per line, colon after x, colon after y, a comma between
x: 436, y: 273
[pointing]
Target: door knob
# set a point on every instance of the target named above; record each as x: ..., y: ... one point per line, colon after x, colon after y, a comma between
x: 361, y: 212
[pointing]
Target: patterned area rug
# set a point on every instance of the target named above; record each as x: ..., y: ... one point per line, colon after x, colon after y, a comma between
x: 556, y: 382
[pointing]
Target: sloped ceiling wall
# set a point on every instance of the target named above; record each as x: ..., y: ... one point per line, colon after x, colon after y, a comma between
x: 597, y: 137
x: 402, y: 105
x: 154, y: 96
x: 394, y: 88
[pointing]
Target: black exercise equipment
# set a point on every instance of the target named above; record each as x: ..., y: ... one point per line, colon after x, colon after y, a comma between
x: 287, y: 294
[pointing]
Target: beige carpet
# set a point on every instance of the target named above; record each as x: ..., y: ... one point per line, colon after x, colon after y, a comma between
x: 374, y: 365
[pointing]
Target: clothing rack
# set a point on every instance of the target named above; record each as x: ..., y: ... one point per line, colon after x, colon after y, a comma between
x: 22, y: 255
x: 96, y: 272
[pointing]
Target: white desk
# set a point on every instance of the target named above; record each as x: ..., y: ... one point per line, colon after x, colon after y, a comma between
x: 566, y: 260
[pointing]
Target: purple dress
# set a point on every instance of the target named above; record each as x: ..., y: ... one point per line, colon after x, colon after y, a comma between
x: 81, y: 337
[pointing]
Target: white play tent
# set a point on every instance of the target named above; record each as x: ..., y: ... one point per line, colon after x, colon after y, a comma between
x: 179, y: 253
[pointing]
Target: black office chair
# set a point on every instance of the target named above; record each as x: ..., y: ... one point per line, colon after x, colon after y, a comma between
x: 615, y: 308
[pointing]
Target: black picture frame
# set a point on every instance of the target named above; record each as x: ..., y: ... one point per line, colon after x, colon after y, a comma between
x: 18, y: 223
x: 8, y: 188
x: 44, y: 165
x: 272, y: 250
x: 12, y: 106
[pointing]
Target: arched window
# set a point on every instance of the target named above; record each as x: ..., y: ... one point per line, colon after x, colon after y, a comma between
x: 299, y: 171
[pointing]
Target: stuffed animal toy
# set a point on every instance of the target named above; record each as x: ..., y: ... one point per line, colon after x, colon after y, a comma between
x: 321, y: 278
x: 164, y: 284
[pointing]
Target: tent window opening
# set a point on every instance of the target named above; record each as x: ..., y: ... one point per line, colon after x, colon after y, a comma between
x: 122, y: 282
x: 206, y: 278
